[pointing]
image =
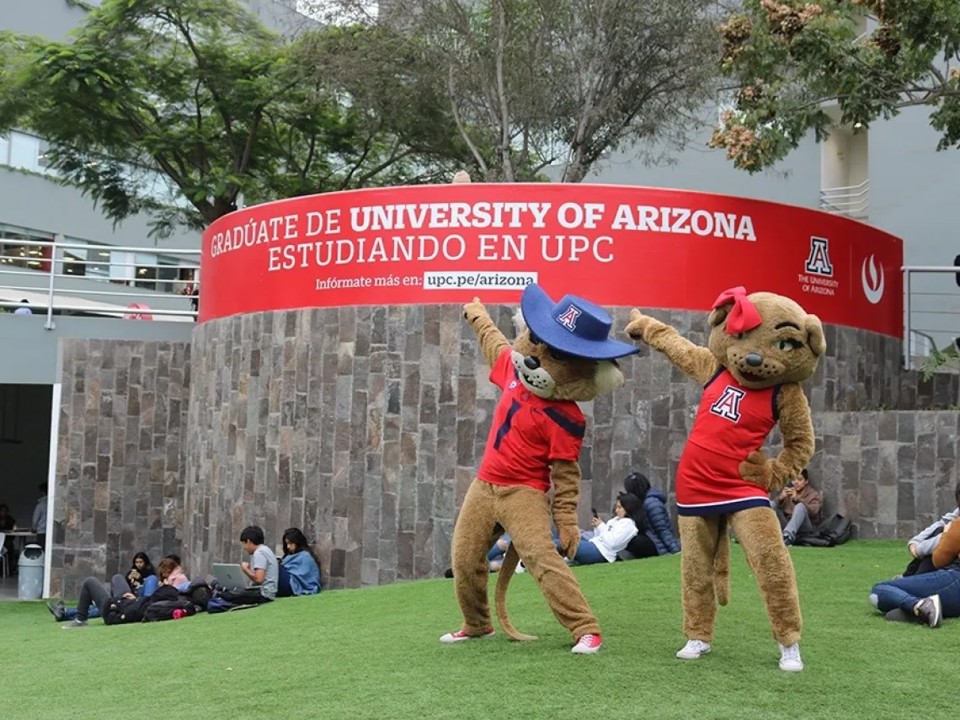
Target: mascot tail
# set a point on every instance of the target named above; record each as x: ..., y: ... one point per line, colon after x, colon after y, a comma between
x: 510, y: 561
x: 721, y: 565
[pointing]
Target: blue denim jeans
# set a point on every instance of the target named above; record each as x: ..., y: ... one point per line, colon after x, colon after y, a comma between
x: 150, y: 584
x: 587, y: 553
x: 905, y: 592
x: 496, y: 552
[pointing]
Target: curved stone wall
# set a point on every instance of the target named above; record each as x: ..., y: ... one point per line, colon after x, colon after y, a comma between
x: 364, y: 426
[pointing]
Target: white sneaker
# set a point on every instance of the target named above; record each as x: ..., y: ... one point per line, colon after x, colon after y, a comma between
x: 790, y: 658
x: 521, y: 568
x: 461, y: 636
x: 587, y: 645
x: 693, y: 650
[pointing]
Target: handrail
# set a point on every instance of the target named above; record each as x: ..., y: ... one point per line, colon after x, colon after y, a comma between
x: 865, y: 185
x: 118, y: 296
x: 909, y: 330
x: 851, y: 200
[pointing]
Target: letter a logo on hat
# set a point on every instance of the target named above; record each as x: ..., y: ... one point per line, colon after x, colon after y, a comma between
x: 568, y: 318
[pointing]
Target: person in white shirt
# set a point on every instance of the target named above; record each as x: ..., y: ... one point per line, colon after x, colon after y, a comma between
x: 607, y: 538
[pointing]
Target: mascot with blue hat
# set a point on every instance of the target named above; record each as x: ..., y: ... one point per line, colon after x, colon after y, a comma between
x: 562, y: 357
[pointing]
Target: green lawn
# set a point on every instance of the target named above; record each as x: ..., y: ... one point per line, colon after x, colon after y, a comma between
x: 374, y: 653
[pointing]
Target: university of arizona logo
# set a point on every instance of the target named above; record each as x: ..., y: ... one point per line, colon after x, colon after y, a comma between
x: 727, y: 405
x: 568, y: 318
x: 818, y: 262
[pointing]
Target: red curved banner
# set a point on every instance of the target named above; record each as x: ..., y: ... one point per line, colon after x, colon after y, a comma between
x: 616, y: 245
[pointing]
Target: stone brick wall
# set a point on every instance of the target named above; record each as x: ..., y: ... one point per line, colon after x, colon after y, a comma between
x: 119, y: 456
x: 363, y: 426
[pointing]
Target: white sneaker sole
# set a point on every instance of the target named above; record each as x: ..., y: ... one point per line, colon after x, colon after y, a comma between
x: 450, y: 639
x: 791, y: 666
x: 577, y: 650
x: 681, y: 655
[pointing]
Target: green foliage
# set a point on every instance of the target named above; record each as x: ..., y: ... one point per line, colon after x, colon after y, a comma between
x: 179, y: 108
x: 537, y: 83
x: 793, y: 61
x: 373, y: 654
x: 941, y: 361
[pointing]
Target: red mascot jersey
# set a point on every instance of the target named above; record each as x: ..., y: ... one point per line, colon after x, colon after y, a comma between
x: 528, y: 432
x: 732, y: 421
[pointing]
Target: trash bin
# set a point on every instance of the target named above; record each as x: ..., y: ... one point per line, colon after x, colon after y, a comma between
x: 31, y: 573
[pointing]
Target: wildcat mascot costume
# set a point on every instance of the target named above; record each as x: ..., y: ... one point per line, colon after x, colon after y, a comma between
x: 761, y: 347
x: 563, y: 357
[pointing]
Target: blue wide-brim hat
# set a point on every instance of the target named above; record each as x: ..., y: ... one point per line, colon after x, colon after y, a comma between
x: 573, y: 325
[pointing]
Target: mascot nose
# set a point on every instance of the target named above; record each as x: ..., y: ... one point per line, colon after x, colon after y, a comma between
x: 754, y: 359
x: 531, y: 362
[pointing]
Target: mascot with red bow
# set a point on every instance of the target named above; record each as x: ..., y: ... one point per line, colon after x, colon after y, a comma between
x: 761, y: 347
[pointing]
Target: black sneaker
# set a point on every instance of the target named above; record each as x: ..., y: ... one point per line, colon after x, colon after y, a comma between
x: 75, y: 623
x: 56, y: 609
x: 929, y: 611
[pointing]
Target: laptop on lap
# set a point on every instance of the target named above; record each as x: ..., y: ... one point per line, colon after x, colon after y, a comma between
x: 229, y: 575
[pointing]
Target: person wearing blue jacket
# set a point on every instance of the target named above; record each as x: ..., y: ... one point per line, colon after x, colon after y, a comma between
x: 656, y: 535
x: 299, y: 568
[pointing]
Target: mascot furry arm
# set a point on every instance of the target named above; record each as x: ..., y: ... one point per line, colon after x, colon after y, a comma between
x: 701, y: 364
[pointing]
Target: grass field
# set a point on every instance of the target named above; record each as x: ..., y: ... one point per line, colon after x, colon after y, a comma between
x: 373, y: 653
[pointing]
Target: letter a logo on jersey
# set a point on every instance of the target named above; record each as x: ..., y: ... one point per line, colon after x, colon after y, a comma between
x: 568, y: 318
x: 727, y: 405
x: 818, y: 262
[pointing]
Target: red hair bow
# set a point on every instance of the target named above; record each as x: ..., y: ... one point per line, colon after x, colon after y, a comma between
x: 744, y: 316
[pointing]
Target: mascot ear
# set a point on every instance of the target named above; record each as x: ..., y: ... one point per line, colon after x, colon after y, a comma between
x: 718, y: 315
x: 815, y: 338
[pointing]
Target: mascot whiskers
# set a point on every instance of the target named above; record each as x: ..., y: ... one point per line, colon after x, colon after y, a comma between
x: 761, y: 347
x: 563, y: 357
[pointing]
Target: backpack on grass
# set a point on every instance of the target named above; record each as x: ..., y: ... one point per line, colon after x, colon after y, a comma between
x: 836, y: 530
x: 164, y: 609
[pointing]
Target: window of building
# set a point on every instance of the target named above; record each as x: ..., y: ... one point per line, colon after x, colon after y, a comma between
x: 17, y: 252
x: 145, y: 271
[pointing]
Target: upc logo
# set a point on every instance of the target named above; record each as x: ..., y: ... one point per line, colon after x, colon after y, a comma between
x: 871, y: 277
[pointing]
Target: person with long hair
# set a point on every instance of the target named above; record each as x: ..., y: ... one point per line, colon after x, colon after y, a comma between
x: 142, y: 577
x: 299, y: 567
x: 607, y: 538
x: 655, y: 536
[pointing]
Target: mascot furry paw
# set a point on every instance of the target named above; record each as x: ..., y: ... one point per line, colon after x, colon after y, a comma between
x: 761, y: 348
x: 562, y: 357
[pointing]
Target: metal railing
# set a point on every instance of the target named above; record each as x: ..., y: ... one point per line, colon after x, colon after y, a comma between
x: 850, y: 200
x: 931, y: 313
x: 36, y: 279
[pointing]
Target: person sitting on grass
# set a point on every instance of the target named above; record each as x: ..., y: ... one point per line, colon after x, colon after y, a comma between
x: 262, y: 570
x: 655, y: 536
x: 922, y: 545
x: 142, y: 577
x: 927, y: 597
x: 607, y: 538
x: 299, y: 567
x: 173, y: 574
x: 798, y: 508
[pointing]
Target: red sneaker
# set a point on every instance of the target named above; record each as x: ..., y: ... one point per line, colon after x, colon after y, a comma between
x: 460, y: 636
x: 587, y: 645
